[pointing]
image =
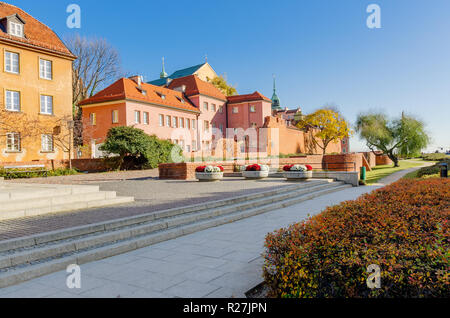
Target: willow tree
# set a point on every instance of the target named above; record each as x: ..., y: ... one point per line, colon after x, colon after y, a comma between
x: 326, y: 125
x: 405, y: 135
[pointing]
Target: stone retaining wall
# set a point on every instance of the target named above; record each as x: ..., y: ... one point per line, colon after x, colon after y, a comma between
x: 342, y: 162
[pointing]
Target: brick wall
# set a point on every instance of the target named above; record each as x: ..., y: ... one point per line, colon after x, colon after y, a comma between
x: 292, y: 140
x: 371, y: 158
x: 342, y: 162
x: 383, y: 160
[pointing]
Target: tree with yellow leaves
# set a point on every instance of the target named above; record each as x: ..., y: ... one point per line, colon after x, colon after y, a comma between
x: 327, y: 125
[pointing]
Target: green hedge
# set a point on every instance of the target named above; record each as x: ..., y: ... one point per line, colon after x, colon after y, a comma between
x: 403, y: 228
x: 429, y: 171
x: 17, y: 174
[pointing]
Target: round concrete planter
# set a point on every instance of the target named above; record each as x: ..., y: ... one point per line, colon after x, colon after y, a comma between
x: 209, y: 176
x: 255, y: 174
x: 298, y: 175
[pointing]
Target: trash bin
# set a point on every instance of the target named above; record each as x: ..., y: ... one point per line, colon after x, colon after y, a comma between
x: 363, y: 174
x: 444, y: 170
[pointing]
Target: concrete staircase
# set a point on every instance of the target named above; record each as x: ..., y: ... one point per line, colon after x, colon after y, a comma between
x: 26, y: 258
x: 24, y: 200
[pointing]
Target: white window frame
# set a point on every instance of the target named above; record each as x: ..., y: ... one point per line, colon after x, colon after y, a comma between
x: 115, y: 116
x: 16, y: 29
x: 181, y: 122
x: 93, y: 119
x: 46, y: 107
x: 44, y: 72
x: 146, y: 118
x: 11, y: 67
x: 235, y: 110
x: 161, y: 120
x: 194, y: 123
x: 205, y: 106
x: 137, y: 117
x: 252, y: 109
x: 47, y: 143
x: 13, y: 142
x: 168, y: 121
x: 174, y: 122
x: 213, y: 107
x: 221, y: 109
x: 11, y: 105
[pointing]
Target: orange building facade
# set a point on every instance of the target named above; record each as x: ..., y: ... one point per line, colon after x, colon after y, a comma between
x: 35, y: 88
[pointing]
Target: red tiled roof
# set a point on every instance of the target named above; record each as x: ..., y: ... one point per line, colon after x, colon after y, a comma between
x: 195, y: 86
x: 126, y: 88
x: 247, y: 98
x: 36, y: 33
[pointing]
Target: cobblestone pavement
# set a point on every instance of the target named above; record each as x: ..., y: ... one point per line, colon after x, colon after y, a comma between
x: 150, y: 195
x: 220, y: 262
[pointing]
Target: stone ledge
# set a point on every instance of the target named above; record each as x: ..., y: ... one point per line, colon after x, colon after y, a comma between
x: 344, y: 176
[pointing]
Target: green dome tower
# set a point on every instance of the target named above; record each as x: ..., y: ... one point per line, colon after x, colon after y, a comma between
x: 276, y: 105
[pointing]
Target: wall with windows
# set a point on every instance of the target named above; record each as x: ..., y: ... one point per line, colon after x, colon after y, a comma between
x: 40, y: 85
x: 169, y: 124
x: 213, y: 115
x: 248, y: 114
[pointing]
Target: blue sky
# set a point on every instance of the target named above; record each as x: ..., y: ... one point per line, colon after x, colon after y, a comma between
x: 321, y: 51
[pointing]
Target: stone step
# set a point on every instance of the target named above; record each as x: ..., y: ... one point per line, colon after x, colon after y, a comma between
x: 50, y: 201
x: 19, y: 266
x: 19, y: 192
x: 68, y: 245
x: 149, y: 217
x: 86, y: 201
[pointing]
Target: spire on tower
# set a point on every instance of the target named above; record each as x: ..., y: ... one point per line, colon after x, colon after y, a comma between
x: 275, y: 100
x: 163, y: 73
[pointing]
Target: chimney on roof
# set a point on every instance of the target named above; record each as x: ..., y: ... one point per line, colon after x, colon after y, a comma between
x: 137, y: 79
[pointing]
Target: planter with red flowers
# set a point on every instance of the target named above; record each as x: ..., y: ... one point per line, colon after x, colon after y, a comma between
x: 255, y: 171
x: 209, y: 173
x: 298, y: 172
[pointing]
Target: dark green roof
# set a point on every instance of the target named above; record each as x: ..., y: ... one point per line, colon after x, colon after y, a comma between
x: 159, y: 82
x: 180, y: 73
x: 186, y: 72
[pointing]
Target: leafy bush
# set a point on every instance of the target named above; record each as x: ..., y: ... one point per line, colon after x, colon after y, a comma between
x: 137, y: 150
x: 403, y: 228
x: 433, y: 170
x: 19, y: 174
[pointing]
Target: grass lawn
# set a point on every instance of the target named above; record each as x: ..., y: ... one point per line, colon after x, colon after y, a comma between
x: 380, y: 172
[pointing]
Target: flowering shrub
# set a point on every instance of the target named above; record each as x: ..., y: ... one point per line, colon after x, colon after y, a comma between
x: 297, y: 168
x: 403, y: 228
x: 253, y: 168
x: 200, y: 169
x: 209, y: 169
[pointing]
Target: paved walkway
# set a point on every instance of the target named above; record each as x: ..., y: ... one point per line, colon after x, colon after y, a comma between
x: 219, y: 262
x: 150, y: 196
